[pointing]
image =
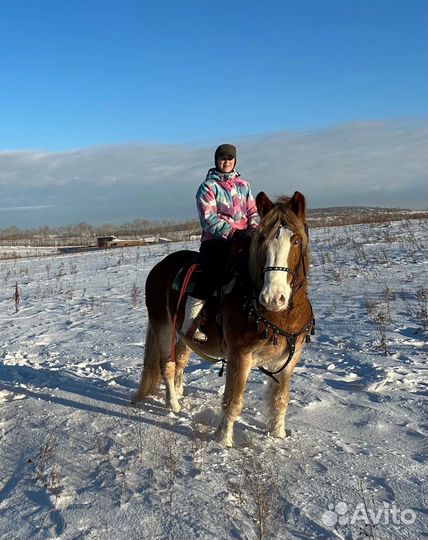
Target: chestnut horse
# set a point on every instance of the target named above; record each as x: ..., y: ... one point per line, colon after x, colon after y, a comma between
x: 263, y: 323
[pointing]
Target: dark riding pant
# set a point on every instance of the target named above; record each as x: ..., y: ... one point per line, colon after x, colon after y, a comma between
x: 218, y: 262
x: 214, y: 256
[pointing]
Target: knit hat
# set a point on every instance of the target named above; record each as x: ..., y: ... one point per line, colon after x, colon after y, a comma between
x: 225, y: 150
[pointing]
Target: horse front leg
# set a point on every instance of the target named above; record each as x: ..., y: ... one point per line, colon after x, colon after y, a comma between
x: 237, y: 370
x: 280, y: 396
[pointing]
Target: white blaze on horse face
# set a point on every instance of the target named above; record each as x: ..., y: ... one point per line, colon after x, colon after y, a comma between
x: 276, y: 292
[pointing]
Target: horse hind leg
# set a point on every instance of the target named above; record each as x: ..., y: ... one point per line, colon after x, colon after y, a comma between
x: 167, y: 366
x: 157, y: 365
x: 181, y: 360
x: 151, y: 376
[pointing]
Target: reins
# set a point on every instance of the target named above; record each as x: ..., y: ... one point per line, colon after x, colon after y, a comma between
x: 189, y: 273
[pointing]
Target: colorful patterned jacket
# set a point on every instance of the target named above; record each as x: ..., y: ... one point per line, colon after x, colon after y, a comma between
x: 225, y: 203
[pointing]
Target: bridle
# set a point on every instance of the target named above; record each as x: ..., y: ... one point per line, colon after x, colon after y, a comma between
x: 271, y: 330
x: 279, y: 269
x: 293, y: 273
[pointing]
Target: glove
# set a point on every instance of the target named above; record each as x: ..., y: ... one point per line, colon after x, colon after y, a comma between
x: 250, y: 232
x: 239, y: 234
x: 244, y: 234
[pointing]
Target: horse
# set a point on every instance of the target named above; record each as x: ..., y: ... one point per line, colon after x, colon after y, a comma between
x: 263, y: 323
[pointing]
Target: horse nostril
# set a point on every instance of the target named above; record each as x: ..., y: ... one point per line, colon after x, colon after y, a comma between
x: 280, y: 300
x: 273, y: 302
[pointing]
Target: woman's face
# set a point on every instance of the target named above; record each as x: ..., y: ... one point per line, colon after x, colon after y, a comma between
x: 226, y: 164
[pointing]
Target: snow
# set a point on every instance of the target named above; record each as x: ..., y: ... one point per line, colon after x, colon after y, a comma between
x: 12, y: 252
x: 78, y: 462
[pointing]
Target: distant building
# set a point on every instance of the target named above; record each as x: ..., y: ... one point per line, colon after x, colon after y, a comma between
x: 106, y: 241
x: 150, y: 240
x: 113, y: 242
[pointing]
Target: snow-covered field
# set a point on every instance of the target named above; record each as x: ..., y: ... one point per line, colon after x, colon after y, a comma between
x: 78, y: 462
x: 13, y: 252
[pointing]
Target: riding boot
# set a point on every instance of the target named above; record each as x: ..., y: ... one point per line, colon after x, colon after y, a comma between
x: 189, y: 326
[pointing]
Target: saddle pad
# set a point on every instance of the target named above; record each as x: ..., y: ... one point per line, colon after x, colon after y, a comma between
x: 181, y: 276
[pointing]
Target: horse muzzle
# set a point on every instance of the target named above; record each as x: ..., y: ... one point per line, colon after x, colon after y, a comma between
x: 274, y: 302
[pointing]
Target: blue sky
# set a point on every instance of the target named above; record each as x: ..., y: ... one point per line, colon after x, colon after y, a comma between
x: 111, y: 110
x: 80, y: 73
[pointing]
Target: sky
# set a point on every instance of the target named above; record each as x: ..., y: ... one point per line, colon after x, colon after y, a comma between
x: 154, y: 75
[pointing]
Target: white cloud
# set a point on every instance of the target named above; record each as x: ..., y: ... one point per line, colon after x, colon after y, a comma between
x: 18, y: 208
x: 365, y: 163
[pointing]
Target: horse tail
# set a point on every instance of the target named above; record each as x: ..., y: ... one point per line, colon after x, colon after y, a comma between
x: 151, y: 377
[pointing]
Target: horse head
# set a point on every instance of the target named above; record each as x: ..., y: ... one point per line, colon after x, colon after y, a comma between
x: 279, y: 250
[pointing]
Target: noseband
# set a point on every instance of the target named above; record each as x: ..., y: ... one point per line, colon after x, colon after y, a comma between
x: 279, y: 269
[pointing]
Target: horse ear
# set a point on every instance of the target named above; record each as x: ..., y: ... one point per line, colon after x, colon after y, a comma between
x: 298, y: 204
x: 264, y: 204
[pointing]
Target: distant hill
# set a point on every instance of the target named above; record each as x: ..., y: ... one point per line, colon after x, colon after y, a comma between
x: 343, y: 215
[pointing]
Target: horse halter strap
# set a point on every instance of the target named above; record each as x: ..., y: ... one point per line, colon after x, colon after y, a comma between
x: 279, y: 269
x: 293, y: 273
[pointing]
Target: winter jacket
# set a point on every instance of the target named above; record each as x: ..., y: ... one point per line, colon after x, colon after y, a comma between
x: 225, y: 203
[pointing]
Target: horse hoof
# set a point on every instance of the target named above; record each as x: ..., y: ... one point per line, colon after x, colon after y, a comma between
x: 280, y: 434
x: 226, y: 443
x: 223, y: 439
x: 175, y: 407
x: 135, y: 401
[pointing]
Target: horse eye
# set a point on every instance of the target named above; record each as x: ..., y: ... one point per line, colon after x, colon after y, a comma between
x: 297, y: 241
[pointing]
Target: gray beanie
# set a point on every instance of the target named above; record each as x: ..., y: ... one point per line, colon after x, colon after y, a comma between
x: 225, y: 150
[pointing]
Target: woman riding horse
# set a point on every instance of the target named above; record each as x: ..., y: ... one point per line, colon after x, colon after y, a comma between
x: 226, y: 209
